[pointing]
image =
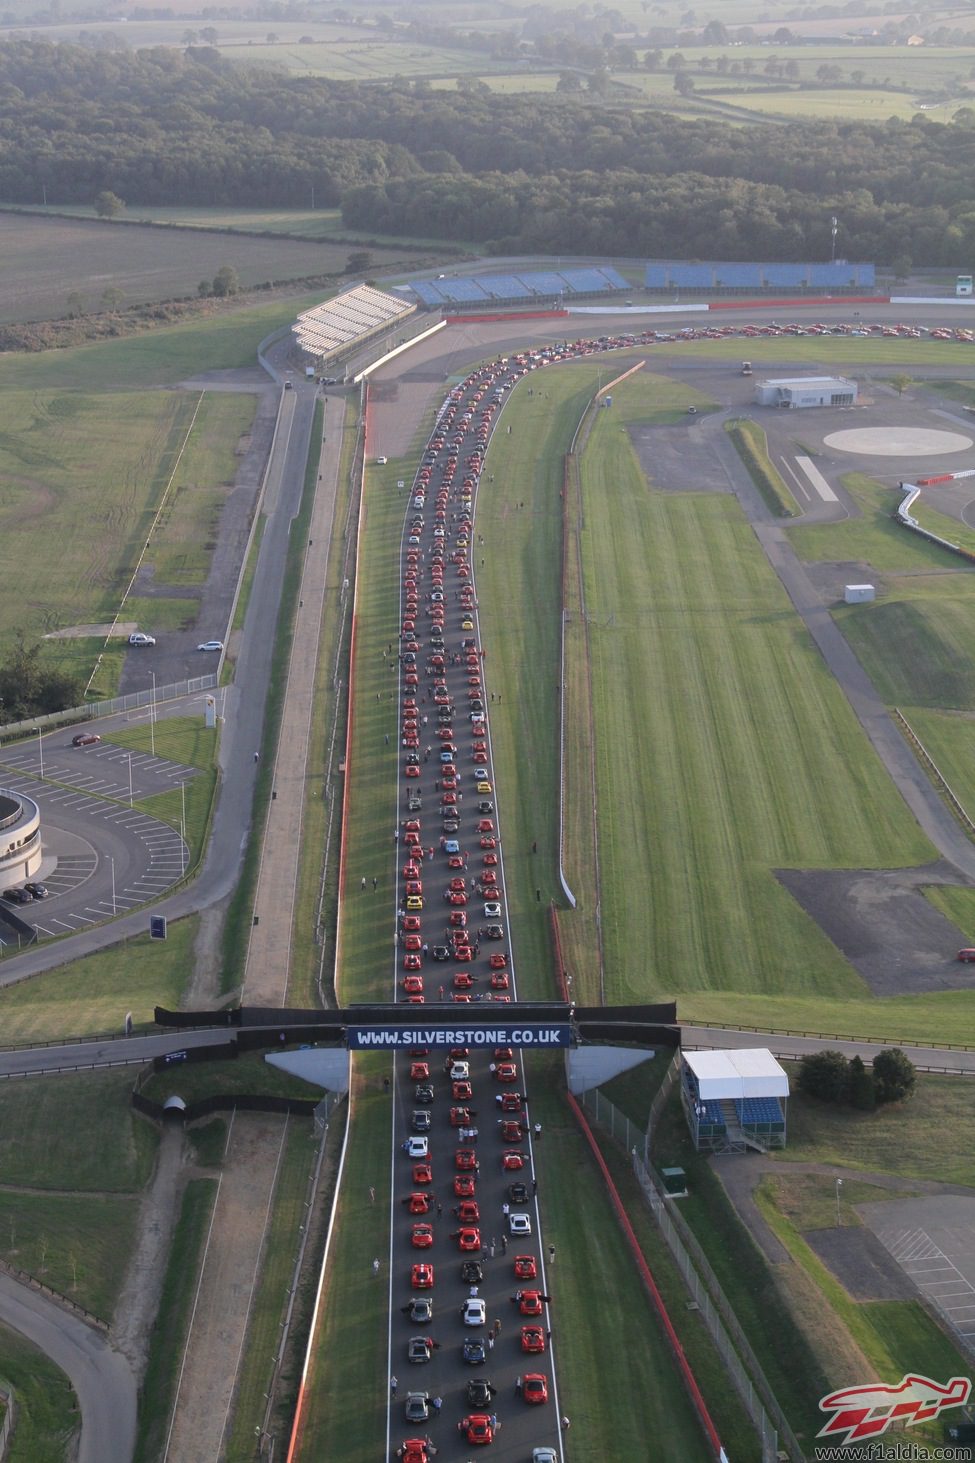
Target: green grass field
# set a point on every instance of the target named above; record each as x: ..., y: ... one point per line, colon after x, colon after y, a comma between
x: 84, y: 485
x: 47, y: 1409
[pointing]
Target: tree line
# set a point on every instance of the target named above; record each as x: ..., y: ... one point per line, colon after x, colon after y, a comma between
x: 522, y: 173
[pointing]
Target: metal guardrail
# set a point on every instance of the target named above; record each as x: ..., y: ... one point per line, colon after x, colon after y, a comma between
x: 941, y: 781
x: 887, y: 1040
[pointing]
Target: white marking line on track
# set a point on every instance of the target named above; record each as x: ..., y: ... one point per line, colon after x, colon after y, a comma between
x: 816, y: 478
x: 800, y: 486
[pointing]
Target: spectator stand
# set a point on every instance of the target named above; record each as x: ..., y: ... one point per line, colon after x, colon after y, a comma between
x: 532, y: 287
x: 734, y: 1100
x: 338, y: 327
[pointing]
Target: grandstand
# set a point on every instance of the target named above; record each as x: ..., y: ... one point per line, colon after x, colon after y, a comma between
x: 531, y: 287
x: 347, y: 320
x: 734, y: 1100
x: 730, y: 278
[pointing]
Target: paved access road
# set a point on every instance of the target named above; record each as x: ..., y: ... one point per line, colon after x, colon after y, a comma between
x: 454, y: 946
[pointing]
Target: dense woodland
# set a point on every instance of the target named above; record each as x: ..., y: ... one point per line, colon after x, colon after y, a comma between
x: 520, y: 173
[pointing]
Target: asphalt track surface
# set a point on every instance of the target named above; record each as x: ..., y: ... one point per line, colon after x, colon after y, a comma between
x: 451, y: 866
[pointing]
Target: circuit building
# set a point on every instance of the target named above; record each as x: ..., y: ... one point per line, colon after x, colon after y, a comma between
x: 802, y: 391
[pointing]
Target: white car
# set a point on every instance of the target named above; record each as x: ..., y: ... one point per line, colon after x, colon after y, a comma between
x: 544, y: 1455
x: 460, y: 1071
x: 211, y: 645
x: 492, y: 910
x: 417, y: 1147
x: 519, y: 1223
x: 474, y: 1313
x: 381, y: 461
x: 138, y: 638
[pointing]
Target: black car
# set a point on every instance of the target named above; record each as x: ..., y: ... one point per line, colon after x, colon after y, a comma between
x: 37, y: 891
x: 485, y: 806
x: 16, y: 896
x: 474, y: 1351
x: 518, y: 1193
x: 419, y: 1310
x: 423, y: 1093
x: 472, y: 1272
x: 480, y: 1392
x: 421, y: 1121
x: 440, y: 952
x: 494, y: 932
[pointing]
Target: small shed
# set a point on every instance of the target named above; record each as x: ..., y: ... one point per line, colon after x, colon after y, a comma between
x: 859, y: 594
x: 804, y: 391
x: 734, y: 1099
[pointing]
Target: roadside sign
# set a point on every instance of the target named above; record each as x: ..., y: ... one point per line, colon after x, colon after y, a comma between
x: 157, y: 927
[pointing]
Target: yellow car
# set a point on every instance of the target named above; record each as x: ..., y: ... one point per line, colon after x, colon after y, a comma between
x: 483, y: 785
x: 467, y: 623
x: 414, y: 901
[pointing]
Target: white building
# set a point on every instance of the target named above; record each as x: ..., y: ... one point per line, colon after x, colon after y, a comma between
x: 734, y: 1099
x: 799, y: 391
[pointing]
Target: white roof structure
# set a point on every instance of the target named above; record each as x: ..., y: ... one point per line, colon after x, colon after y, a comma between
x: 339, y: 321
x: 797, y: 383
x: 734, y: 1072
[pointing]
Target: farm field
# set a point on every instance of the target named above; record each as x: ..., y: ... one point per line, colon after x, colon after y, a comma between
x: 48, y: 259
x: 311, y: 223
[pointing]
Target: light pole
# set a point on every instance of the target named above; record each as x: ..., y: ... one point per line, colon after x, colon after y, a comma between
x: 182, y: 825
x: 839, y: 1185
x: 152, y: 715
x: 833, y: 227
x: 130, y: 779
x: 114, y: 905
x: 40, y: 749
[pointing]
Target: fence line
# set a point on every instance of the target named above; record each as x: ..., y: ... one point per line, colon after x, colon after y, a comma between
x: 31, y: 1281
x: 131, y: 701
x: 732, y: 1344
x: 939, y: 777
x: 9, y: 1419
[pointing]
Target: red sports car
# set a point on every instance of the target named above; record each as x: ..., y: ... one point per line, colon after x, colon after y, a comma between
x: 413, y: 984
x: 476, y: 1429
x: 421, y: 1276
x: 512, y: 1160
x: 461, y: 1091
x: 465, y: 1159
x: 510, y: 1102
x: 420, y: 1204
x: 414, y: 1450
x: 468, y: 1212
x: 533, y: 1338
x: 419, y: 1071
x: 469, y: 1239
x: 464, y: 1185
x: 422, y: 1173
x: 506, y: 1072
x: 525, y: 1267
x: 530, y: 1303
x: 534, y: 1388
x: 499, y: 980
x: 422, y: 1239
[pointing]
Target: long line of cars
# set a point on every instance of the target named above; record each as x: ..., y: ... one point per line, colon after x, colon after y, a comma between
x: 466, y: 1235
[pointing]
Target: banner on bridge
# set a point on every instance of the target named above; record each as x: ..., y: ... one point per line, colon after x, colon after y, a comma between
x: 392, y: 1038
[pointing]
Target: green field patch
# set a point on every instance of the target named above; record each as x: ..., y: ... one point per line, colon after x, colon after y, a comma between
x: 47, y: 1408
x: 652, y: 400
x: 78, y: 1244
x: 91, y: 997
x: 941, y: 1017
x: 963, y: 391
x: 248, y: 1074
x: 751, y: 445
x: 74, y: 1132
x: 873, y: 537
x: 944, y: 525
x: 929, y: 1137
x: 184, y: 536
x: 159, y: 614
x: 809, y: 1200
x: 918, y: 653
x: 724, y: 749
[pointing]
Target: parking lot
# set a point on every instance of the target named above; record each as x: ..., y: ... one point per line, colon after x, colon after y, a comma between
x: 102, y: 857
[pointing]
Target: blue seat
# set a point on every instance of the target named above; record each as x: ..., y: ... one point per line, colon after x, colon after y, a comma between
x: 692, y: 276
x: 502, y: 286
x: 738, y: 276
x: 785, y: 276
x: 544, y: 282
x: 657, y: 277
x: 613, y: 278
x: 463, y: 291
x: 426, y: 291
x: 584, y: 281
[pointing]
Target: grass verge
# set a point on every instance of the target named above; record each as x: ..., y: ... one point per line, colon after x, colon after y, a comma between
x: 47, y: 1409
x: 172, y: 1319
x: 751, y: 445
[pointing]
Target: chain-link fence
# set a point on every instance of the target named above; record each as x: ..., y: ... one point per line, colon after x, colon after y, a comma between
x: 706, y: 1294
x: 132, y: 701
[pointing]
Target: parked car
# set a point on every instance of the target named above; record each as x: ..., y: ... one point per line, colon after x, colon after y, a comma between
x: 16, y: 896
x: 85, y: 739
x: 139, y: 638
x: 211, y: 645
x: 37, y: 891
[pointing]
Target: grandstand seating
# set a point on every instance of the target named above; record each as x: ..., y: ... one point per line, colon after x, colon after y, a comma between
x: 764, y: 1112
x: 348, y: 317
x: 541, y: 285
x: 726, y: 275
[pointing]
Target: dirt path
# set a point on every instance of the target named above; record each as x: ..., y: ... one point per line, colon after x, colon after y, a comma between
x: 138, y: 1302
x: 222, y: 1305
